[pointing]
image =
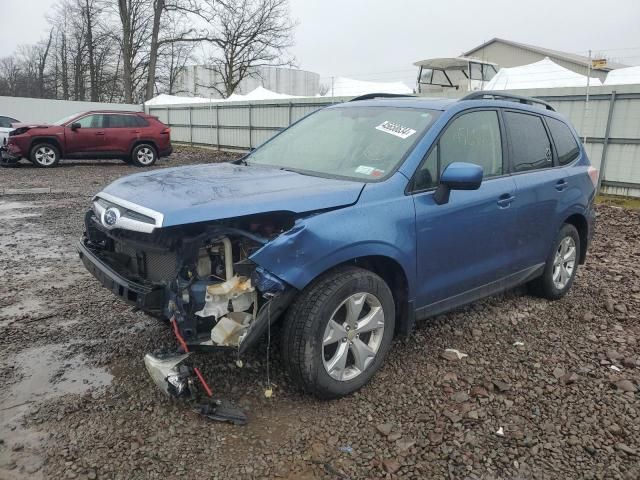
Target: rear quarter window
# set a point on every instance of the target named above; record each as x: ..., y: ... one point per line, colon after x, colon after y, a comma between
x: 529, y: 145
x: 566, y: 145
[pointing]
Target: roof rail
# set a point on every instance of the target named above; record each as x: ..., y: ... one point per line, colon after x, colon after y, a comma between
x: 370, y: 96
x: 482, y: 94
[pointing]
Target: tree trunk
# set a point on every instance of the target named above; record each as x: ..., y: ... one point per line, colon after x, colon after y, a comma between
x: 90, y: 48
x: 127, y: 54
x: 158, y: 8
x: 65, y: 68
x: 42, y: 65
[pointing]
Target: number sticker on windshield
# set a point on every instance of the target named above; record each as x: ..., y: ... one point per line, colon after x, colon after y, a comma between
x: 395, y: 129
x: 371, y: 171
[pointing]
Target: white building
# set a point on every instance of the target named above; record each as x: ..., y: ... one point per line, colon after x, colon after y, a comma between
x: 196, y: 80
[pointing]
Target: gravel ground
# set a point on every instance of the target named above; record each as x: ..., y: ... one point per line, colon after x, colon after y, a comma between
x: 557, y: 380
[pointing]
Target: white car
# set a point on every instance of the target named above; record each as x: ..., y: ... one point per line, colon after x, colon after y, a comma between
x: 5, y: 128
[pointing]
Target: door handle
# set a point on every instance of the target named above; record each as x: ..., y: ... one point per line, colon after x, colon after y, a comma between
x: 99, y: 133
x: 561, y: 184
x: 504, y: 200
x: 135, y: 131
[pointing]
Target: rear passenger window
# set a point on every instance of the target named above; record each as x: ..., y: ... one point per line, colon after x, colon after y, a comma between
x: 529, y: 145
x: 566, y: 145
x: 123, y: 121
x: 475, y: 138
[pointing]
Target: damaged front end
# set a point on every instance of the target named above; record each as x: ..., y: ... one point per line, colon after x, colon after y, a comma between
x: 199, y: 276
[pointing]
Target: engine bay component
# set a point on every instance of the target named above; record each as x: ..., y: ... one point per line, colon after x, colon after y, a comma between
x: 237, y: 290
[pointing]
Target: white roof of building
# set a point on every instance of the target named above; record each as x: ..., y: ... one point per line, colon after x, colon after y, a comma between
x: 542, y: 74
x: 547, y: 52
x: 348, y: 87
x: 623, y: 76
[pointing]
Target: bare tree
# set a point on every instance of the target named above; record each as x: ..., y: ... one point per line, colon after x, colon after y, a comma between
x: 249, y: 34
x: 128, y: 50
x: 10, y: 75
x: 168, y: 15
x: 135, y: 22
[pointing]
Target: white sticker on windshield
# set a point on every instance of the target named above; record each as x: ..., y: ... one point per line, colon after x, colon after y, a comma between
x: 371, y: 171
x: 395, y: 129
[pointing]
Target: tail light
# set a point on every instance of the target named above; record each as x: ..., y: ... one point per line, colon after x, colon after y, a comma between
x: 165, y: 131
x: 593, y: 174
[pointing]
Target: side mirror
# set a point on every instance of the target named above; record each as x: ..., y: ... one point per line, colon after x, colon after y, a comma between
x: 458, y: 176
x: 75, y: 126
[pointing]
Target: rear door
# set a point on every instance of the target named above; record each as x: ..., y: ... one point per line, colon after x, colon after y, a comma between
x: 122, y: 130
x: 468, y: 242
x: 89, y: 138
x: 541, y: 185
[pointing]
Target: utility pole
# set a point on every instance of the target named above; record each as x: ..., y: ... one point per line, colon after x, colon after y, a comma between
x: 586, y: 103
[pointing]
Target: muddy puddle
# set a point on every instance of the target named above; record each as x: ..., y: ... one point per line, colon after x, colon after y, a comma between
x: 41, y: 373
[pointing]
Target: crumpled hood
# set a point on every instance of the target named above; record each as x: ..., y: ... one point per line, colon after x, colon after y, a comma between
x: 30, y: 125
x: 208, y: 192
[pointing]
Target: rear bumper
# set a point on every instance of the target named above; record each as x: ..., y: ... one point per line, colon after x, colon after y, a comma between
x: 166, y: 152
x: 591, y: 228
x: 145, y: 297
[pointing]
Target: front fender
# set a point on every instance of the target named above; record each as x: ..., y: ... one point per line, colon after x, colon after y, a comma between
x: 320, y: 242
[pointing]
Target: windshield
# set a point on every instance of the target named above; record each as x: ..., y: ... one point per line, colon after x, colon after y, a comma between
x: 350, y: 142
x: 66, y: 119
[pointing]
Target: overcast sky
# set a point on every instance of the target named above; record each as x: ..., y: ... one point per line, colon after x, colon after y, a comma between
x: 379, y: 40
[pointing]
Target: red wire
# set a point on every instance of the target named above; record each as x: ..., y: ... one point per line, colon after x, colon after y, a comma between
x: 186, y: 349
x: 204, y: 384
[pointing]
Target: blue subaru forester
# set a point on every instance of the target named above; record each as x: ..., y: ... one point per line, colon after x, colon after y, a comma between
x: 347, y: 227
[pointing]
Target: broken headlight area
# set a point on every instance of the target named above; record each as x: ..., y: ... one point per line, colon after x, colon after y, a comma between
x: 199, y: 276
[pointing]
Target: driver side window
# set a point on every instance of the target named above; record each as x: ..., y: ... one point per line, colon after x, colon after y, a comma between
x: 472, y: 137
x: 92, y: 121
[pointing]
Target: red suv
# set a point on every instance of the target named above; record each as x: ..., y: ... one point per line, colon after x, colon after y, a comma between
x: 135, y: 137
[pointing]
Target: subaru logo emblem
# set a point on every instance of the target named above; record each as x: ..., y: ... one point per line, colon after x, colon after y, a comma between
x: 110, y: 217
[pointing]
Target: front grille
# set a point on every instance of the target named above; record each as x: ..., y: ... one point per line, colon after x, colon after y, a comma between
x: 150, y: 265
x: 126, y: 213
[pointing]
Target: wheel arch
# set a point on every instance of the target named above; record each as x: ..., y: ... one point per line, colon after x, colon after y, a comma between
x: 50, y: 140
x: 139, y: 141
x: 390, y: 270
x: 579, y: 221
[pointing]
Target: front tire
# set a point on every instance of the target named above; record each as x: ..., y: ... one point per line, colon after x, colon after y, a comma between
x: 561, y: 265
x: 338, y: 331
x: 44, y: 155
x: 144, y: 155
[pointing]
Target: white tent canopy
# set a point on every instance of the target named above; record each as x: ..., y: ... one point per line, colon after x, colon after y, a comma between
x: 164, y: 99
x: 623, y: 76
x: 259, y: 93
x: 348, y: 87
x: 542, y: 74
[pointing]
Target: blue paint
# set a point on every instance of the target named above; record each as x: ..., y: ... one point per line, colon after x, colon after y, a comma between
x: 209, y: 192
x: 443, y: 250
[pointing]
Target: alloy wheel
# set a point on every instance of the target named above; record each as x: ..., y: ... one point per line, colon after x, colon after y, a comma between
x: 45, y: 156
x: 353, y: 336
x: 564, y: 262
x: 145, y: 156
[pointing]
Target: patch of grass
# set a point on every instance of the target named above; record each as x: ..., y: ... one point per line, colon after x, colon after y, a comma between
x: 625, y: 202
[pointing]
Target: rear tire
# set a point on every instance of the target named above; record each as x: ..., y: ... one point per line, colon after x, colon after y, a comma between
x: 335, y: 359
x: 44, y: 155
x: 561, y: 266
x: 144, y: 155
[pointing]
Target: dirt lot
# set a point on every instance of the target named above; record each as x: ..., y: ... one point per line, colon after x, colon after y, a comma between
x: 558, y: 380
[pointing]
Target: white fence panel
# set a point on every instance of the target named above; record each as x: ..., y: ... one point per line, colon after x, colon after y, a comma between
x: 42, y: 110
x: 610, y: 122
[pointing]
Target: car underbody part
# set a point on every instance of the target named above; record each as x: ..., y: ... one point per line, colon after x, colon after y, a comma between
x: 203, y: 280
